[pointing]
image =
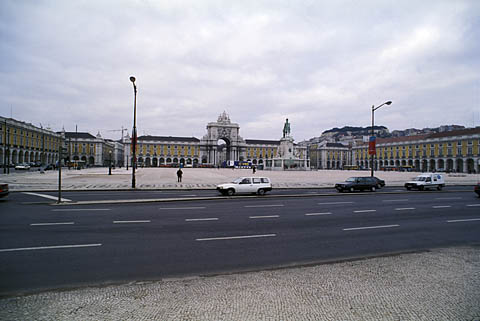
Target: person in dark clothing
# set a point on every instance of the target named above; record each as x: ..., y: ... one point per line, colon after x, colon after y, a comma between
x: 254, y: 169
x: 179, y: 175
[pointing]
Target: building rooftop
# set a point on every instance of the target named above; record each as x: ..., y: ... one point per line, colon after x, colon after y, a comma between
x: 453, y: 133
x: 461, y: 132
x: 78, y: 135
x: 262, y: 142
x: 169, y: 138
x: 336, y: 145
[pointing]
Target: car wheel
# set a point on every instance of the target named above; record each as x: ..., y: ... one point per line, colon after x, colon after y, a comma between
x: 439, y: 187
x: 261, y: 191
x: 352, y: 189
x: 421, y: 188
x: 373, y: 188
x: 230, y: 192
x: 378, y: 186
x: 408, y: 188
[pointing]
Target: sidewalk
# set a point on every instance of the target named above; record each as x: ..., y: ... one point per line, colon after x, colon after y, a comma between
x: 199, y: 178
x: 441, y: 284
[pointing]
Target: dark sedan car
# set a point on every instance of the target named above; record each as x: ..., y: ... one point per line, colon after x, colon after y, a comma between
x: 3, y: 190
x: 380, y: 182
x: 476, y: 189
x: 353, y: 184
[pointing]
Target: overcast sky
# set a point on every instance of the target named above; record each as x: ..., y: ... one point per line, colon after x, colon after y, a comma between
x: 321, y: 64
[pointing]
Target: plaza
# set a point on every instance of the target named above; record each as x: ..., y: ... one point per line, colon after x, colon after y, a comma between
x: 97, y: 178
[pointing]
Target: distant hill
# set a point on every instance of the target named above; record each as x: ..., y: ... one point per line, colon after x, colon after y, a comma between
x: 355, y: 130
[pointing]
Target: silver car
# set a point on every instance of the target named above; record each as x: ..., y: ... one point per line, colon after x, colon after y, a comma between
x: 246, y: 185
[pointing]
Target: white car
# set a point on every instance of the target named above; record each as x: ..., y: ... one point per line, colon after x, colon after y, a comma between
x: 255, y: 185
x: 426, y: 181
x: 22, y: 166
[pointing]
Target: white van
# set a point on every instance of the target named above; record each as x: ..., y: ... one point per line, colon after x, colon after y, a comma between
x: 426, y: 181
x: 255, y: 185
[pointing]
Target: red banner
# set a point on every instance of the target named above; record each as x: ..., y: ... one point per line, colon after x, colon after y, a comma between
x: 134, y: 141
x: 371, y: 146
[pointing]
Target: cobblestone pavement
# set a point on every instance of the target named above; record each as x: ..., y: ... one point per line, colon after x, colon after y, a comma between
x: 198, y: 178
x: 442, y: 284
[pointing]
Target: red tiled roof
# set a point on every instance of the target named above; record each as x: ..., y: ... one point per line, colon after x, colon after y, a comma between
x: 460, y: 132
x: 453, y: 133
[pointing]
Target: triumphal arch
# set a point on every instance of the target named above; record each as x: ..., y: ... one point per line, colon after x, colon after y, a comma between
x: 224, y: 130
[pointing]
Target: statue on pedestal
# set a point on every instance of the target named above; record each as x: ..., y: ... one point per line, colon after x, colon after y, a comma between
x: 286, y: 129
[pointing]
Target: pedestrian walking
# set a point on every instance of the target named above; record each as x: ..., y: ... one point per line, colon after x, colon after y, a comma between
x: 179, y: 175
x: 254, y: 169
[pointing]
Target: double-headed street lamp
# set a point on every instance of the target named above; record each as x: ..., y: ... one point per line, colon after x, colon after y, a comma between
x: 371, y: 147
x: 134, y: 131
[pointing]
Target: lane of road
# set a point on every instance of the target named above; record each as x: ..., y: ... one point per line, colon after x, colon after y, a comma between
x: 158, y: 240
x: 166, y: 194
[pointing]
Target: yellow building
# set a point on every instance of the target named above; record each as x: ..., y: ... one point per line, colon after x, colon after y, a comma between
x: 453, y: 151
x: 88, y: 150
x: 24, y: 143
x: 326, y: 155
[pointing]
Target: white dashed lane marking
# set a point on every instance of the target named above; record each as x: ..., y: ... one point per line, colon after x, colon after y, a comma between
x: 441, y: 206
x: 80, y: 209
x: 315, y: 214
x: 370, y: 227
x: 404, y: 208
x: 269, y: 205
x: 335, y: 203
x: 401, y: 200
x: 49, y: 247
x: 264, y: 216
x: 133, y: 222
x: 47, y: 224
x: 471, y: 205
x: 465, y: 220
x: 236, y: 237
x: 201, y: 219
x: 182, y: 208
x: 364, y: 211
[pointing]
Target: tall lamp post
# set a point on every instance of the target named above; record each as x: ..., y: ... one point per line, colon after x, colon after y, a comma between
x: 372, y: 150
x: 134, y: 132
x: 110, y: 163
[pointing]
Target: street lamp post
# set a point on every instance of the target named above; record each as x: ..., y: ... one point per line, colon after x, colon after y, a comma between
x: 110, y: 163
x: 372, y: 154
x: 134, y: 132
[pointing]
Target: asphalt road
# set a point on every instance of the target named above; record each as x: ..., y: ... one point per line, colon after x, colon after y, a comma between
x: 49, y: 247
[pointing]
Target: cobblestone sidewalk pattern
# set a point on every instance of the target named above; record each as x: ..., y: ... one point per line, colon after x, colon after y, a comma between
x: 442, y: 284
